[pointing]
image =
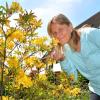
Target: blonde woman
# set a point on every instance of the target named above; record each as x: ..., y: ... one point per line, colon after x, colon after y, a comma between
x: 81, y: 50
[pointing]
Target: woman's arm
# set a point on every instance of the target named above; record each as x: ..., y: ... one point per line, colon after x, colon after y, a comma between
x: 66, y: 64
x: 69, y: 68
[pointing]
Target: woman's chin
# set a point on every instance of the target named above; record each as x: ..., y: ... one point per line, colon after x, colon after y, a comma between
x: 62, y: 43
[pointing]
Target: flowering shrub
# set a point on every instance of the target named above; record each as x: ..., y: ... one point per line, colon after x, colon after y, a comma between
x: 19, y: 46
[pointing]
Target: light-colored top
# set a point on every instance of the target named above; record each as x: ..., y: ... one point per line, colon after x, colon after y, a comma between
x: 87, y: 61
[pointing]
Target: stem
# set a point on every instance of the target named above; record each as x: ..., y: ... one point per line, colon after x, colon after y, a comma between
x: 3, y: 65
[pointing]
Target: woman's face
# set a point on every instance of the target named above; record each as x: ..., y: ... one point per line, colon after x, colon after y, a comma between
x: 62, y: 32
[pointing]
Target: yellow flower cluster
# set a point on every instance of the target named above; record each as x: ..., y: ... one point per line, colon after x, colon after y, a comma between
x: 34, y: 61
x: 40, y: 64
x: 15, y: 7
x: 10, y: 44
x: 50, y: 61
x: 55, y: 41
x: 5, y: 97
x: 30, y: 60
x: 34, y: 22
x: 73, y: 92
x: 42, y: 77
x: 39, y: 41
x: 68, y: 90
x: 17, y: 34
x: 13, y: 62
x: 23, y: 79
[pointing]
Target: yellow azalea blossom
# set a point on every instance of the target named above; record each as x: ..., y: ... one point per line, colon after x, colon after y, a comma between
x: 18, y: 34
x: 39, y: 41
x: 13, y: 61
x: 40, y: 65
x: 21, y: 73
x: 10, y: 45
x: 30, y: 60
x: 1, y: 41
x: 67, y: 91
x: 55, y: 41
x: 4, y: 97
x: 15, y: 6
x: 60, y: 86
x: 15, y: 34
x: 42, y: 77
x: 23, y: 79
x: 75, y: 91
x: 51, y: 61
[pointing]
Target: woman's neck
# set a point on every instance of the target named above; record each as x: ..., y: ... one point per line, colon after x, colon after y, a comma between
x: 78, y: 47
x: 74, y: 42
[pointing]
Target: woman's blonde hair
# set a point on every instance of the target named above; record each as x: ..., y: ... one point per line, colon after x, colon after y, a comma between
x: 62, y: 19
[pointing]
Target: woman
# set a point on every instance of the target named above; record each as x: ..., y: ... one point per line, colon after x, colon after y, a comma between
x: 81, y: 50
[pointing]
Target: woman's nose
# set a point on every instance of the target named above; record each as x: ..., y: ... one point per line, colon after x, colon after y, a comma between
x: 59, y: 35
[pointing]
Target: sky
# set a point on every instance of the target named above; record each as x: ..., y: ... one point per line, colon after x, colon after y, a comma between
x: 76, y: 10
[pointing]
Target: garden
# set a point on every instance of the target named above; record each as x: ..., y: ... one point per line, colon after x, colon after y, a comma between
x: 22, y: 49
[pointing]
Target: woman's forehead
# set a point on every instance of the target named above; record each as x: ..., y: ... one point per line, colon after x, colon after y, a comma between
x: 56, y: 25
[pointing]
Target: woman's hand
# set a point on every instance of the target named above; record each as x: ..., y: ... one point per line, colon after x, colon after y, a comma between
x: 57, y: 54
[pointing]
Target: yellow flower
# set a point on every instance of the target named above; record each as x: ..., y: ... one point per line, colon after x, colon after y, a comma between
x: 51, y: 61
x: 15, y: 34
x: 10, y: 44
x: 15, y: 7
x: 75, y: 91
x: 30, y: 60
x: 67, y: 91
x: 42, y: 77
x: 39, y: 41
x: 40, y: 64
x: 23, y: 79
x: 55, y: 41
x: 5, y: 97
x: 18, y: 34
x: 60, y: 86
x: 13, y: 62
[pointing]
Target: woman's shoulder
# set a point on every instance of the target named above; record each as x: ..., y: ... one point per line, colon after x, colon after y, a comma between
x: 87, y: 31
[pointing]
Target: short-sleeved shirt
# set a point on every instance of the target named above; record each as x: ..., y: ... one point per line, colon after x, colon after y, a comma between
x: 87, y: 60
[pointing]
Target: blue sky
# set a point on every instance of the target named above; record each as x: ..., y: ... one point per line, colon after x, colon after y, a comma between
x: 76, y: 10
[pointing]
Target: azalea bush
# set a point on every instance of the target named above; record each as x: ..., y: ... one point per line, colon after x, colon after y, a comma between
x: 22, y: 49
